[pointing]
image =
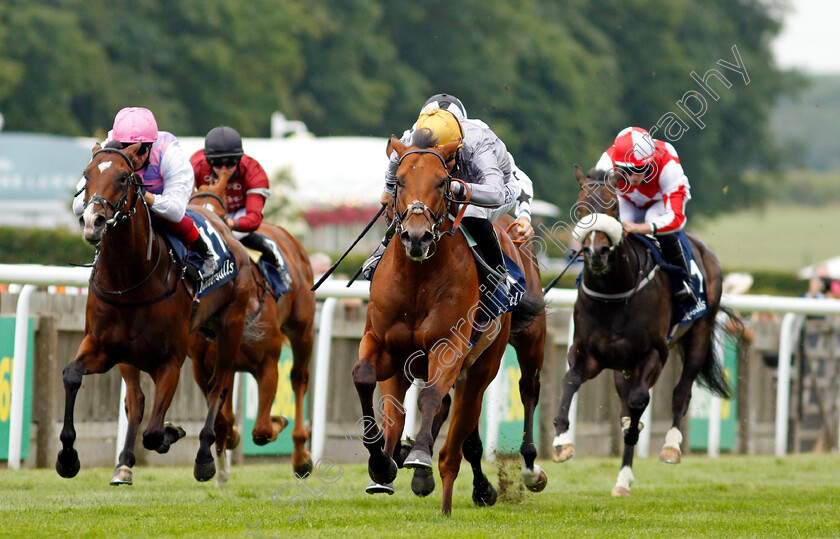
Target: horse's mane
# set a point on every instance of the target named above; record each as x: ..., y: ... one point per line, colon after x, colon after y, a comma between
x: 424, y: 138
x: 114, y: 144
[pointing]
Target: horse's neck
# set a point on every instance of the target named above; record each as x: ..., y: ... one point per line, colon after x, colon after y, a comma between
x: 625, y: 264
x: 431, y: 270
x: 124, y: 249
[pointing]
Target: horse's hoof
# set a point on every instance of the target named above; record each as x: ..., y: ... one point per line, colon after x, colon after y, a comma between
x: 204, y: 471
x: 563, y: 453
x: 232, y: 438
x: 375, y: 488
x: 670, y: 455
x: 484, y: 496
x: 304, y: 469
x: 539, y: 485
x: 620, y: 492
x: 122, y: 476
x: 403, y: 451
x: 278, y: 423
x: 423, y: 482
x: 383, y: 477
x: 153, y: 441
x: 418, y: 459
x: 173, y: 433
x: 67, y: 464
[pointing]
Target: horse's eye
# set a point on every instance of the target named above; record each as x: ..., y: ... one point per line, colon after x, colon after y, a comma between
x: 442, y: 184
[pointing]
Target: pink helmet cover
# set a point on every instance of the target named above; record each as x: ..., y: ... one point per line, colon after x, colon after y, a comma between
x: 135, y: 124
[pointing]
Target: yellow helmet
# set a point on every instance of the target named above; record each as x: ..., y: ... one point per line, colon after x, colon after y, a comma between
x: 444, y: 127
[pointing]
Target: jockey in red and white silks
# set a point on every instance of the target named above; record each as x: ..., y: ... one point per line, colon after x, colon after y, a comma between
x: 661, y: 196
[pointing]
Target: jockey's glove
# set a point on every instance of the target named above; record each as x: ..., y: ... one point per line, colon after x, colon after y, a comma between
x: 459, y: 192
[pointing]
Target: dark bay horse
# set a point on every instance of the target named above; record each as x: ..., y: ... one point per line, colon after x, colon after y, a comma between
x: 623, y: 315
x: 292, y: 315
x: 424, y: 304
x: 529, y: 344
x: 140, y: 312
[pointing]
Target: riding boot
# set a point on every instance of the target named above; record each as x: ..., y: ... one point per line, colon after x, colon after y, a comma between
x: 484, y: 234
x: 209, y: 266
x: 373, y: 260
x: 258, y: 242
x: 673, y: 252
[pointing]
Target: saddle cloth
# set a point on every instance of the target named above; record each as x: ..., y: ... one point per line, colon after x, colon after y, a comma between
x: 279, y: 279
x: 683, y: 314
x: 228, y: 269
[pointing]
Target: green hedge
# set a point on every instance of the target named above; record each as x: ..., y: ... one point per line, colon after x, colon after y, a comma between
x: 53, y: 247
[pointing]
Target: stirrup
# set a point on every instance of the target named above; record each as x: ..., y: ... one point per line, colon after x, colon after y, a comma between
x: 209, y: 266
x: 372, y: 261
x: 686, y: 294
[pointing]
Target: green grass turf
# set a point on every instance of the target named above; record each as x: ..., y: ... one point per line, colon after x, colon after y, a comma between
x: 783, y: 238
x: 734, y: 496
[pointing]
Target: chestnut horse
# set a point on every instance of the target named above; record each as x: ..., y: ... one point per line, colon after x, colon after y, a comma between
x: 424, y: 301
x: 623, y: 315
x: 293, y: 314
x: 140, y: 312
x: 529, y: 344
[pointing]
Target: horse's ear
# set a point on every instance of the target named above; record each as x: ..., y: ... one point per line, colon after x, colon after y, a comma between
x: 448, y: 150
x: 612, y: 180
x: 395, y: 145
x: 580, y: 176
x: 96, y: 148
x: 131, y: 151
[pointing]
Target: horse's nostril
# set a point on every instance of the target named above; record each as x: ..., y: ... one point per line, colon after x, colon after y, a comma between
x: 604, y: 251
x: 427, y: 237
x: 99, y: 221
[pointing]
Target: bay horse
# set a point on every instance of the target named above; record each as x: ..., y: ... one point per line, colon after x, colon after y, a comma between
x: 140, y: 312
x: 623, y: 315
x: 292, y: 315
x: 529, y: 344
x: 424, y: 303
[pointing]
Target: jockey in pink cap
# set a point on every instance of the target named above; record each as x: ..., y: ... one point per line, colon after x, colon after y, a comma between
x: 652, y: 192
x: 167, y: 176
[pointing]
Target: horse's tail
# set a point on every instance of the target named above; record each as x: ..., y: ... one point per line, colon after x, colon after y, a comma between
x: 253, y: 329
x: 711, y: 374
x: 529, y: 308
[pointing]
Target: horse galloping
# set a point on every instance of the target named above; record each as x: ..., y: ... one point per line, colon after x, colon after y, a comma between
x: 292, y: 315
x: 141, y: 310
x: 424, y: 304
x: 623, y: 315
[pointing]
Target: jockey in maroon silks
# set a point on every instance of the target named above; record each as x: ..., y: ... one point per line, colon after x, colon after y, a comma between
x: 652, y: 192
x: 247, y: 187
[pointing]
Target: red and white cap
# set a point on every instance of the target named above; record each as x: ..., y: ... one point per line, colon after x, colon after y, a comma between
x: 633, y: 147
x: 135, y: 124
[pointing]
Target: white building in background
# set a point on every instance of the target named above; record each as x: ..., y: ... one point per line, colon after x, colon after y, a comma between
x: 336, y: 181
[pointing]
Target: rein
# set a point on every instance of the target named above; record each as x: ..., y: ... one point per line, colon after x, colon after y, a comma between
x: 208, y: 194
x: 640, y: 283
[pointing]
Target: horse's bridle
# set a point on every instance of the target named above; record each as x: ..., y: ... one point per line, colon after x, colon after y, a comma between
x: 208, y: 194
x: 434, y: 218
x: 119, y: 215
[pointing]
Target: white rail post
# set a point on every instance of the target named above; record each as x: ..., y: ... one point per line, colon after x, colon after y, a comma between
x: 322, y: 379
x: 494, y: 415
x: 16, y: 427
x: 787, y: 342
x: 643, y: 445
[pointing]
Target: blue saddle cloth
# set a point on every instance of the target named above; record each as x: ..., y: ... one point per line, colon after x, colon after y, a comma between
x: 228, y: 269
x: 274, y: 277
x: 683, y: 314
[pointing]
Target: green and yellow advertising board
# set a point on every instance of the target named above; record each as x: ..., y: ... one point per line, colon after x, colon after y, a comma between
x: 7, y: 352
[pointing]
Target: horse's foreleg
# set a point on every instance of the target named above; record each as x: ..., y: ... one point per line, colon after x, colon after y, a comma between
x: 381, y: 467
x: 166, y: 381
x: 135, y: 403
x: 301, y: 340
x: 580, y: 370
x: 423, y: 481
x: 88, y: 360
x: 265, y: 428
x: 393, y: 421
x: 634, y: 392
x: 529, y: 351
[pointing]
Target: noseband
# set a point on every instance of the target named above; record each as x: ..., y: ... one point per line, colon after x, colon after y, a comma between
x: 434, y: 218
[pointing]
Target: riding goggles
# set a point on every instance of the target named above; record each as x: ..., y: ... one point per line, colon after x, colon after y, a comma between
x: 224, y: 162
x: 144, y: 147
x: 635, y: 170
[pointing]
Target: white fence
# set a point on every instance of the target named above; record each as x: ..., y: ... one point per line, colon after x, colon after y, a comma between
x: 34, y: 275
